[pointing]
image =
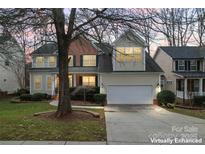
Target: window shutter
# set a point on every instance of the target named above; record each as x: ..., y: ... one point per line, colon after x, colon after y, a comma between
x: 74, y: 60
x: 96, y: 80
x: 57, y: 61
x: 96, y: 60
x: 176, y: 65
x: 80, y: 80
x: 198, y: 65
x: 189, y: 65
x: 186, y: 65
x: 81, y: 60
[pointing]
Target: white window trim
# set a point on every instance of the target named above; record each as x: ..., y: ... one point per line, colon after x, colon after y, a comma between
x: 34, y: 82
x: 48, y: 59
x: 181, y: 65
x: 71, y: 80
x: 142, y: 54
x: 193, y: 65
x: 89, y: 80
x: 47, y: 82
x: 90, y: 55
x: 71, y: 64
x: 43, y: 62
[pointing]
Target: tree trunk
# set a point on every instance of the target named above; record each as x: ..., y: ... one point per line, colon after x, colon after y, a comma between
x: 64, y: 104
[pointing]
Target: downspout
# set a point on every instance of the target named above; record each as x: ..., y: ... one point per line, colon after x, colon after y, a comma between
x: 184, y: 91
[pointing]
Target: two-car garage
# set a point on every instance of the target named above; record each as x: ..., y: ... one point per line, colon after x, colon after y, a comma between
x: 139, y: 88
x: 129, y: 94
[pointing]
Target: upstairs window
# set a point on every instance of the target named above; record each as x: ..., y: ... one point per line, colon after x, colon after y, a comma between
x: 40, y: 61
x: 52, y: 61
x: 71, y: 60
x: 193, y: 65
x: 187, y: 65
x: 89, y: 60
x: 129, y: 54
x: 181, y: 65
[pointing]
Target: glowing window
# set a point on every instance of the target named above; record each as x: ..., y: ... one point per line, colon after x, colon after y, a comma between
x: 89, y: 60
x: 129, y: 54
x: 49, y: 82
x: 88, y: 80
x: 70, y: 80
x: 37, y: 82
x: 39, y: 61
x: 52, y: 61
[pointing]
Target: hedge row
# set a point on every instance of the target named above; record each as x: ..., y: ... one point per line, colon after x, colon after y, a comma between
x: 199, y: 101
x: 35, y: 97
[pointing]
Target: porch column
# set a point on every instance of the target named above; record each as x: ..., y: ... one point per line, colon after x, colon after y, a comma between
x: 185, y: 88
x: 53, y: 85
x: 74, y: 80
x: 200, y: 86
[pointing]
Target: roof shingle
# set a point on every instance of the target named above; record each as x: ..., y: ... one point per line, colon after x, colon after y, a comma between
x: 49, y: 48
x: 188, y: 52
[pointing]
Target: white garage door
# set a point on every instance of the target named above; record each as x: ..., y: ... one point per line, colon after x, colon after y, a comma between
x: 129, y: 94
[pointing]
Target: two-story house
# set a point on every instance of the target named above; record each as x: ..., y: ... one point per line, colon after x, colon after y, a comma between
x: 124, y: 70
x: 184, y: 70
x: 82, y: 67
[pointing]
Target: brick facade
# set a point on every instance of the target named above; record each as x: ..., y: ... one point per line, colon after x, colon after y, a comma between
x: 81, y: 47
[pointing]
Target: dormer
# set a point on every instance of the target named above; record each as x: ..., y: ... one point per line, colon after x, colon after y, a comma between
x: 129, y: 53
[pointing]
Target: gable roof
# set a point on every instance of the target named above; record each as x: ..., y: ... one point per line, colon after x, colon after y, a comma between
x: 105, y: 64
x: 188, y: 52
x: 49, y: 48
x: 132, y: 36
x: 151, y: 65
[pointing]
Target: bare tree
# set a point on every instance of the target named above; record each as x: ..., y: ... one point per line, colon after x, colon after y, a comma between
x: 176, y: 24
x: 200, y: 26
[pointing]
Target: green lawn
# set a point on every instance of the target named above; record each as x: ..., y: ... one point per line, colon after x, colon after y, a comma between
x: 194, y: 113
x: 18, y: 123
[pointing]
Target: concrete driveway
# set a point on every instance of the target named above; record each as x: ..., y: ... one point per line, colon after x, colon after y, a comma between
x: 151, y: 125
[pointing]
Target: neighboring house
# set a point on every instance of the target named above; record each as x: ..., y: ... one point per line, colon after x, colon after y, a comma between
x: 184, y: 70
x: 82, y: 67
x: 123, y: 71
x: 11, y: 64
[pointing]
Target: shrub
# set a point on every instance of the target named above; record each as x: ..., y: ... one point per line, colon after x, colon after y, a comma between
x: 49, y: 97
x: 80, y: 97
x: 25, y: 97
x: 100, y: 98
x: 199, y: 100
x: 71, y: 89
x: 89, y: 94
x: 41, y: 95
x: 22, y: 91
x: 36, y: 97
x: 165, y: 97
x: 77, y: 97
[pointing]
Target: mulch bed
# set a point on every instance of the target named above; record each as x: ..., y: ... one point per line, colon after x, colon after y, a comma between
x: 75, y: 115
